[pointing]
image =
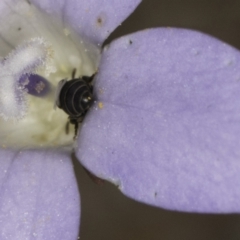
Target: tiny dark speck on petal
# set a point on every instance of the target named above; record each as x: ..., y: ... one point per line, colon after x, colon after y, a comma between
x: 19, y: 29
x: 99, y: 21
x: 155, y: 194
x: 130, y: 42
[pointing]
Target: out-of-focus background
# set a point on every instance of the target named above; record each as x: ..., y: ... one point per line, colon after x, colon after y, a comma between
x: 106, y: 213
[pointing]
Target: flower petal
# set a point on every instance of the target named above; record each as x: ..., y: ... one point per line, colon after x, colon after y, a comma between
x: 166, y: 126
x: 39, y: 196
x: 92, y: 19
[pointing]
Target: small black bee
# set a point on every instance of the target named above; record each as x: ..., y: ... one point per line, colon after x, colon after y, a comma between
x: 75, y: 97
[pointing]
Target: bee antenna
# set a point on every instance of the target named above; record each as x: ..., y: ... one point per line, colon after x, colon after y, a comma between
x: 73, y: 73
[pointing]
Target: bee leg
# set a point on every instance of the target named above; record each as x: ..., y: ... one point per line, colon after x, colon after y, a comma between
x: 74, y: 73
x: 75, y: 130
x: 67, y: 127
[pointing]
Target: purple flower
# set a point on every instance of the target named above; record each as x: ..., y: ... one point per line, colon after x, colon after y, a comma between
x: 164, y: 127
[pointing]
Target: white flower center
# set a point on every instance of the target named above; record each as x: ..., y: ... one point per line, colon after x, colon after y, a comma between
x: 42, y: 125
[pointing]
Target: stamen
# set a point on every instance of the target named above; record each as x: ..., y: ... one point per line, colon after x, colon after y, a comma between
x: 25, y: 59
x: 35, y: 85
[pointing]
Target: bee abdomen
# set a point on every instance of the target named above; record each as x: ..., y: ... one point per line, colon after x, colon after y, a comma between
x: 75, y: 98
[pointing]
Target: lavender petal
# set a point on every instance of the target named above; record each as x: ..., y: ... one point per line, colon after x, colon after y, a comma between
x: 39, y: 196
x: 92, y: 19
x: 166, y: 124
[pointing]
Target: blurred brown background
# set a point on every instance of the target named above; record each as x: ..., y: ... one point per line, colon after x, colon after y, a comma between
x: 106, y: 213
